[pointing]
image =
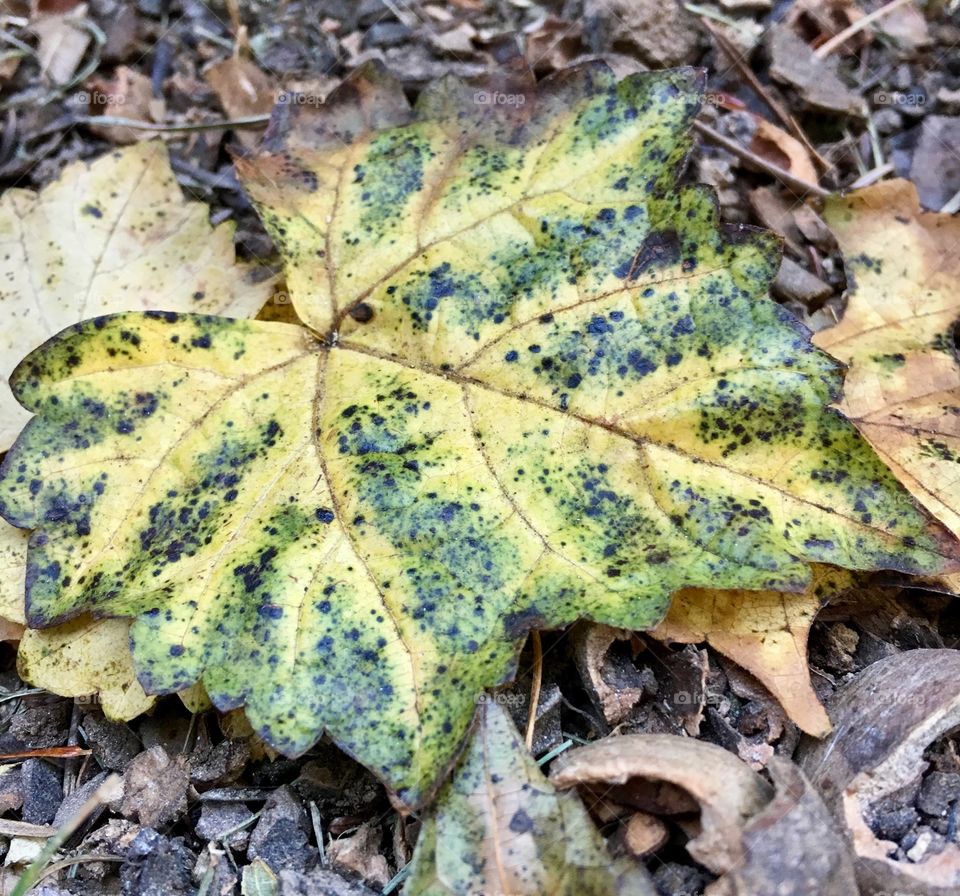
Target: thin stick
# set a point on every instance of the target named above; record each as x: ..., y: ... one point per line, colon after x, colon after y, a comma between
x: 826, y: 49
x: 791, y: 180
x: 77, y: 860
x: 249, y: 121
x: 772, y: 102
x: 535, y: 687
x: 12, y: 828
x: 952, y: 206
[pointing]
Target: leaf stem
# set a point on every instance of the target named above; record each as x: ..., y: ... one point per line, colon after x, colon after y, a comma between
x: 827, y: 48
x: 248, y: 121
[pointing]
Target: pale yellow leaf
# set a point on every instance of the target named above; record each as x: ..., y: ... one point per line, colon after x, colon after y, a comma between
x: 110, y: 236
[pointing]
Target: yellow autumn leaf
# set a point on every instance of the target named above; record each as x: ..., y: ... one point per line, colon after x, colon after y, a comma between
x: 898, y: 335
x: 82, y: 658
x: 765, y: 632
x: 13, y: 565
x: 538, y: 382
x: 112, y: 235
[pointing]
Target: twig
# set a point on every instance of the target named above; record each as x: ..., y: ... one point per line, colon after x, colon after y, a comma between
x: 70, y: 766
x: 9, y: 827
x: 77, y: 860
x: 223, y: 42
x: 535, y: 687
x: 68, y: 752
x: 26, y: 49
x: 826, y: 49
x: 791, y: 180
x: 953, y: 205
x: 872, y: 176
x: 404, y: 16
x: 875, y: 143
x: 758, y: 88
x: 248, y: 121
x: 855, y: 149
x: 711, y: 13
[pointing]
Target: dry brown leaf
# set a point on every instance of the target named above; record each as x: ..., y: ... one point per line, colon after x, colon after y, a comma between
x: 553, y: 44
x: 591, y: 646
x: 9, y: 63
x: 783, y: 150
x: 726, y: 791
x: 792, y: 845
x: 11, y: 631
x: 644, y: 834
x: 760, y: 839
x: 243, y: 89
x: 765, y: 632
x: 63, y: 41
x: 128, y: 94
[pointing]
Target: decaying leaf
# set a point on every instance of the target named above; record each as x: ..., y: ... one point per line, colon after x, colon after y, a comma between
x: 644, y: 834
x: 792, y: 845
x: 79, y: 658
x: 539, y: 382
x: 84, y: 657
x: 765, y: 632
x: 884, y: 721
x: 132, y: 90
x: 760, y: 839
x: 242, y: 89
x: 898, y: 336
x: 614, y: 700
x: 500, y: 828
x: 783, y: 150
x: 114, y: 235
x: 664, y: 773
x: 13, y: 561
x: 63, y: 40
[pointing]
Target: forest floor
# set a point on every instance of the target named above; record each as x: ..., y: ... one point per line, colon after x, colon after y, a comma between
x: 790, y: 115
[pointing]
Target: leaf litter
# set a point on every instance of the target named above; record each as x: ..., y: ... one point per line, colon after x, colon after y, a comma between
x: 875, y: 636
x: 333, y: 525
